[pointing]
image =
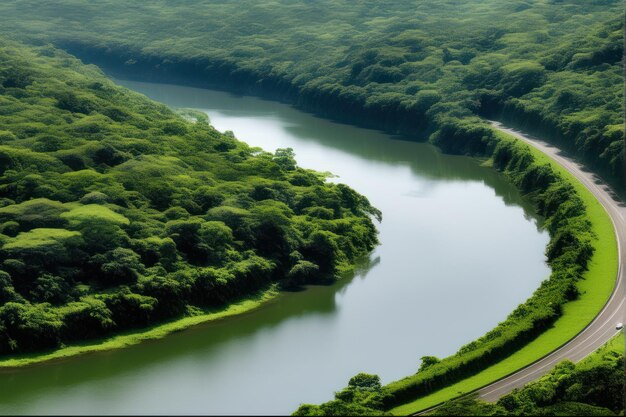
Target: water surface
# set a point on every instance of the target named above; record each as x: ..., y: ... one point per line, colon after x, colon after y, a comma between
x: 460, y: 249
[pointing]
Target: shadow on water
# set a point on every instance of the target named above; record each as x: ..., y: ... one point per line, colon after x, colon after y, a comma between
x: 23, y: 384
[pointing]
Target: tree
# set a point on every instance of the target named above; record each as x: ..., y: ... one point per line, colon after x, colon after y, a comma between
x: 285, y: 159
x: 35, y: 213
x: 29, y: 327
x: 519, y: 78
x: 427, y: 362
x: 215, y: 238
x: 52, y: 289
x: 367, y: 382
x: 86, y: 318
x: 101, y: 227
x: 68, y: 100
x: 7, y: 291
x: 44, y: 247
x: 303, y: 272
x: 120, y: 265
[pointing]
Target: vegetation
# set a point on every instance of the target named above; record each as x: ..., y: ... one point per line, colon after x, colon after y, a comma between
x: 593, y: 387
x: 117, y: 213
x: 364, y: 396
x: 195, y: 316
x: 572, y: 221
x: 552, y: 67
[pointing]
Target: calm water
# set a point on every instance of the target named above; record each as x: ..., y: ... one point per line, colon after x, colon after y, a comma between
x: 459, y: 250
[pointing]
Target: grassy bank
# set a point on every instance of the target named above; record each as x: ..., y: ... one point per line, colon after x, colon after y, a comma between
x: 594, y: 290
x: 155, y: 332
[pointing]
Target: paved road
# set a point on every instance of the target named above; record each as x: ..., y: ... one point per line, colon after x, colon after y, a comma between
x: 603, y: 327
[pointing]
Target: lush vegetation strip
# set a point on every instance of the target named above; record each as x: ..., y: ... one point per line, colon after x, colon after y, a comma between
x: 583, y: 256
x: 159, y: 331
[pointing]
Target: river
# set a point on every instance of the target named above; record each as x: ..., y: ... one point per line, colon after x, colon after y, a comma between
x: 460, y: 249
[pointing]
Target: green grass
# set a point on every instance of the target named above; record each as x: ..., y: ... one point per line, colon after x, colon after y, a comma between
x: 595, y: 290
x: 617, y: 344
x: 154, y: 332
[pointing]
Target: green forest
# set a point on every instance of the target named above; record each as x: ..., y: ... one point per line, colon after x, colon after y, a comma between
x: 552, y: 67
x: 116, y: 212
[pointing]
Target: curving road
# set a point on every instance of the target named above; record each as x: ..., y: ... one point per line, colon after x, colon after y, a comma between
x: 603, y: 326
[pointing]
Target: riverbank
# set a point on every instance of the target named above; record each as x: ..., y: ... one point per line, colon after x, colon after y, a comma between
x: 158, y: 331
x: 595, y: 289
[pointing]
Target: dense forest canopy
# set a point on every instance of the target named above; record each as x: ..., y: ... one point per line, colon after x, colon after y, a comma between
x: 551, y: 66
x: 116, y: 212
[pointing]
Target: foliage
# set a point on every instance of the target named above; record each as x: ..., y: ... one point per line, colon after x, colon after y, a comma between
x: 364, y: 396
x: 117, y: 213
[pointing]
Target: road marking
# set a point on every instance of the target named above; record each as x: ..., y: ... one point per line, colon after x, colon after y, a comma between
x: 574, y: 347
x: 551, y: 361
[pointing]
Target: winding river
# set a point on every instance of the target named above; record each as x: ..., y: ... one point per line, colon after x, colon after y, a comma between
x: 459, y: 250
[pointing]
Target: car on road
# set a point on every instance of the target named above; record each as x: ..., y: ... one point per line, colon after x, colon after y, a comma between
x: 619, y: 326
